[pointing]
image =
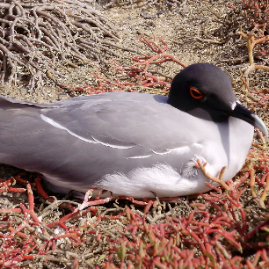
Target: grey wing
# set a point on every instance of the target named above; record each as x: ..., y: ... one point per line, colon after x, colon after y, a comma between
x: 126, y: 123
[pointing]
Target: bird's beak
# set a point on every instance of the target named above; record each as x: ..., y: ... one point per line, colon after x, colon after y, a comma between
x: 259, y: 124
x: 243, y: 113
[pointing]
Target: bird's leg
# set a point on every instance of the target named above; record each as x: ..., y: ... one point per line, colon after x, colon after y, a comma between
x: 219, y: 180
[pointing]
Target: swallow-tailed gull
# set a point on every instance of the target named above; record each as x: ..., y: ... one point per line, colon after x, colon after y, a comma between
x: 133, y: 144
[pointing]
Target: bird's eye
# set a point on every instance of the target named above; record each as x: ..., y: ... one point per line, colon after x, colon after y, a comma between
x: 195, y: 93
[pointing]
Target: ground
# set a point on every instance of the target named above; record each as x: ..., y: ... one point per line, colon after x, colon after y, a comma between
x: 195, y: 31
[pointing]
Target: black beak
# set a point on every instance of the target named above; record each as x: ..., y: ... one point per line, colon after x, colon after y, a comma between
x: 244, y: 114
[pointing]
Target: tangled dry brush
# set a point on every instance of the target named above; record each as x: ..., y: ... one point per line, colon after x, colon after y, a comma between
x: 36, y: 36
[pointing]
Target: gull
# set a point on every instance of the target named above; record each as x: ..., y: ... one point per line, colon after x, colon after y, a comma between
x: 133, y: 144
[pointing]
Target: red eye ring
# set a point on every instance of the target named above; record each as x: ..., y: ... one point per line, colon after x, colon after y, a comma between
x: 196, y: 94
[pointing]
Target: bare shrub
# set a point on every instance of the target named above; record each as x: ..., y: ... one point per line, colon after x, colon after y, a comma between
x: 37, y: 36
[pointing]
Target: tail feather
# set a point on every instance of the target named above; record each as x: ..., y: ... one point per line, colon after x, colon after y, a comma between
x: 6, y: 102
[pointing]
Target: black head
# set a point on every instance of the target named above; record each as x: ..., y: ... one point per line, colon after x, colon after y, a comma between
x: 202, y: 86
x: 205, y: 91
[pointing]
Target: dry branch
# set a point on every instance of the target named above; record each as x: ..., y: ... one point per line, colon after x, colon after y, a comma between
x: 38, y: 36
